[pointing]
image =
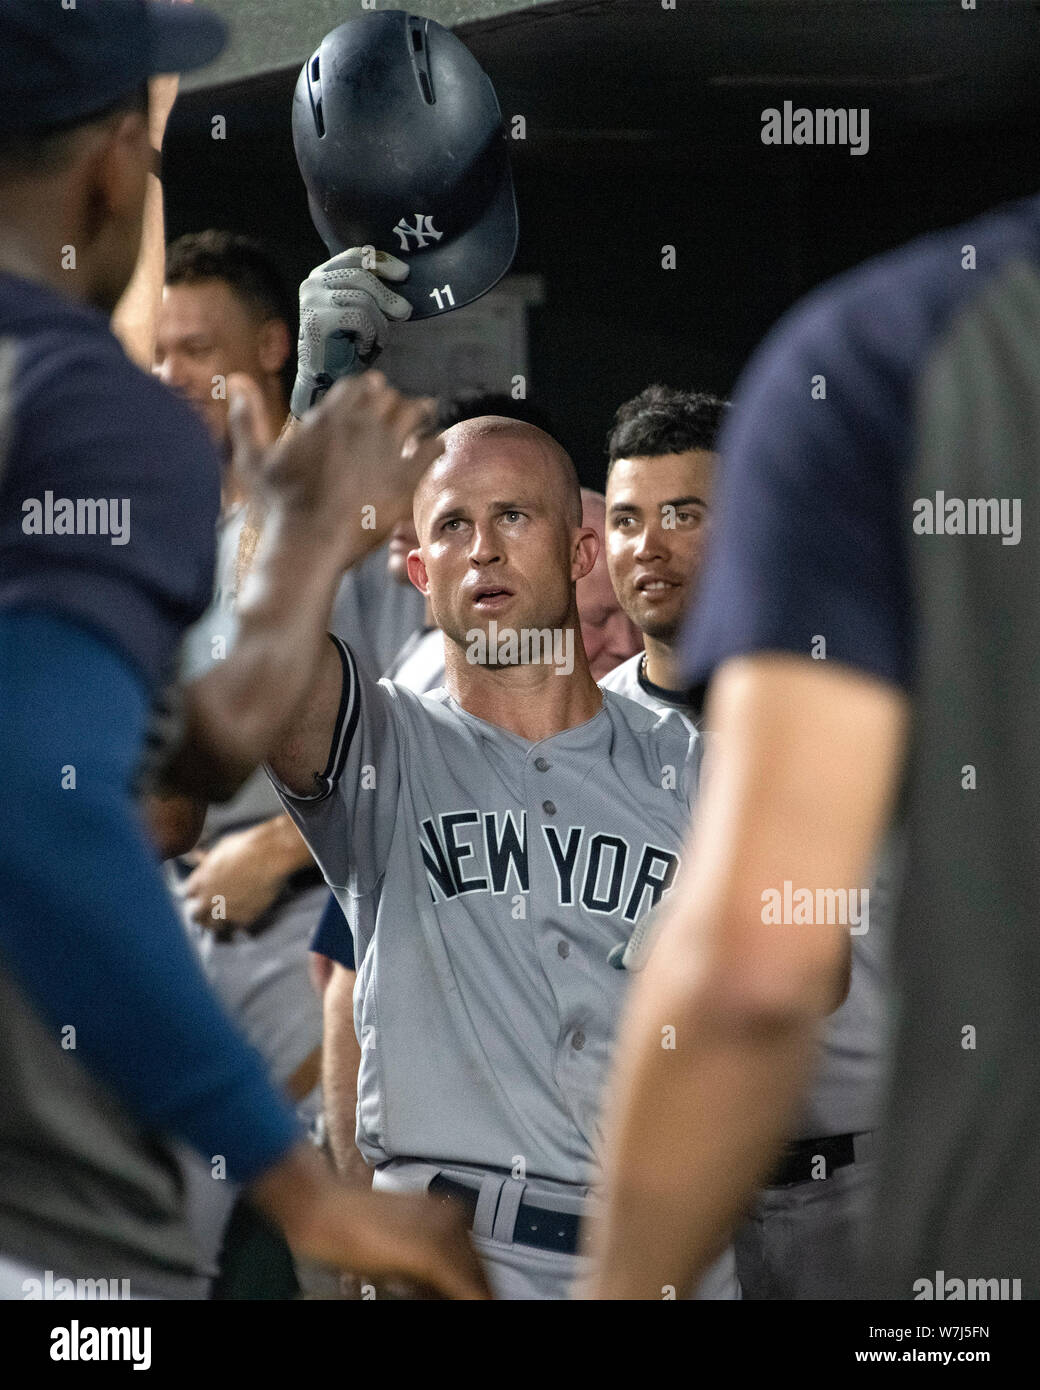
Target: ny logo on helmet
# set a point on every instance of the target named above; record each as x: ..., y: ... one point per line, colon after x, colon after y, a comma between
x: 423, y: 228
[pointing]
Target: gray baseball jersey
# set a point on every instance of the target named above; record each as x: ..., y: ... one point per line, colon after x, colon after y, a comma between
x: 485, y: 880
x: 371, y: 611
x: 846, y: 1094
x: 628, y: 680
x: 419, y: 664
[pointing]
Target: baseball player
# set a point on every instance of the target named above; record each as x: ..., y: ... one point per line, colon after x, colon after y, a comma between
x: 607, y: 633
x: 123, y: 1044
x: 803, y: 1238
x: 889, y: 521
x: 488, y: 844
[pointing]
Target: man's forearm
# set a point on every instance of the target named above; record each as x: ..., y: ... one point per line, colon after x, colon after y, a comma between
x: 235, y: 711
x: 282, y: 844
x: 136, y: 318
x: 673, y: 1203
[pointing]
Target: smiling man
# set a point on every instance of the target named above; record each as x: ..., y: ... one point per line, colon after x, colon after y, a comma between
x: 660, y: 481
x: 489, y: 843
x: 224, y: 310
x: 803, y: 1237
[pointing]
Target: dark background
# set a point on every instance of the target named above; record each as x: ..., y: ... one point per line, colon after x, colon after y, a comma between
x: 643, y: 128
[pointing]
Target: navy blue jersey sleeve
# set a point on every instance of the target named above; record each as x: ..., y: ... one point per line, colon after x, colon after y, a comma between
x: 109, y: 492
x: 332, y: 936
x: 87, y: 927
x: 808, y: 551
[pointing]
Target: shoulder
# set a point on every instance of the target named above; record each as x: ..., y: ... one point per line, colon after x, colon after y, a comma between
x: 661, y: 727
x: 74, y: 381
x: 624, y: 678
x: 873, y: 325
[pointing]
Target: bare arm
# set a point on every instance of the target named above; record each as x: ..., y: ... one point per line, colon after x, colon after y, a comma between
x: 802, y: 777
x: 342, y: 1058
x: 382, y: 1232
x: 246, y: 870
x: 349, y: 453
x: 136, y: 317
x: 174, y: 822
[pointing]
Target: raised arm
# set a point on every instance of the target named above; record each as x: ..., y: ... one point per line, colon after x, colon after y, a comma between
x: 331, y: 491
x: 136, y: 318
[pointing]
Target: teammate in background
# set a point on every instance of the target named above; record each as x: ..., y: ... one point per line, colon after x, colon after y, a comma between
x: 804, y: 1237
x: 858, y: 521
x: 660, y: 479
x: 607, y: 633
x: 89, y: 622
x: 225, y: 309
x: 489, y: 844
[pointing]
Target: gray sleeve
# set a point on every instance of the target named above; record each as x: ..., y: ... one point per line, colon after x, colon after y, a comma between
x: 349, y: 821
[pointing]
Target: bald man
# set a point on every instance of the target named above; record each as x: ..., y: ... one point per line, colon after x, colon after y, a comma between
x: 490, y: 843
x: 609, y: 635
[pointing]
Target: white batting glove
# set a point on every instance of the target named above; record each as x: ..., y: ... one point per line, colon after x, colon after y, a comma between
x: 345, y: 316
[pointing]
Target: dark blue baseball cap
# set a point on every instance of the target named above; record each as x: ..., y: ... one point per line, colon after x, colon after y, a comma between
x: 64, y: 61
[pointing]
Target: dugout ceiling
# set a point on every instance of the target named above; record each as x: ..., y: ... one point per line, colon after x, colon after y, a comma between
x: 630, y: 65
x: 643, y: 128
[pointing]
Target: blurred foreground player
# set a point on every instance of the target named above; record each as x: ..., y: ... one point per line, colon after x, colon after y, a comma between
x: 879, y: 465
x: 100, y: 571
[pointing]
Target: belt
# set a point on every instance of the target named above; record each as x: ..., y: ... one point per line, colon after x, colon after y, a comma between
x: 801, y: 1161
x: 537, y: 1226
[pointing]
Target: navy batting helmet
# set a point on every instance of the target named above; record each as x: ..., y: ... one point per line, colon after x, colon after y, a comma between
x: 399, y: 139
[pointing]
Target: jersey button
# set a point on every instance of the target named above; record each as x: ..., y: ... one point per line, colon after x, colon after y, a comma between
x: 577, y: 1040
x: 542, y: 764
x: 549, y: 807
x: 563, y: 949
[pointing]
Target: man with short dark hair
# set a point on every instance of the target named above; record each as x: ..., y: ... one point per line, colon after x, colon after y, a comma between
x: 225, y: 309
x: 660, y: 479
x: 803, y: 1237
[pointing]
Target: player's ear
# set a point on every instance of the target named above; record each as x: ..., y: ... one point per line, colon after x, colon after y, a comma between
x: 417, y: 572
x: 273, y: 345
x: 585, y: 553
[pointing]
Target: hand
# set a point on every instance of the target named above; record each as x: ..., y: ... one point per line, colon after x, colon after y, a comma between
x: 390, y: 1235
x: 345, y: 315
x: 241, y: 869
x: 415, y: 1248
x: 348, y: 469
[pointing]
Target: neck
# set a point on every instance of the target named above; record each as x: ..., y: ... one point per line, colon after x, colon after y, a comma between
x: 428, y: 619
x: 276, y: 405
x: 534, y: 701
x: 662, y: 663
x: 23, y: 254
